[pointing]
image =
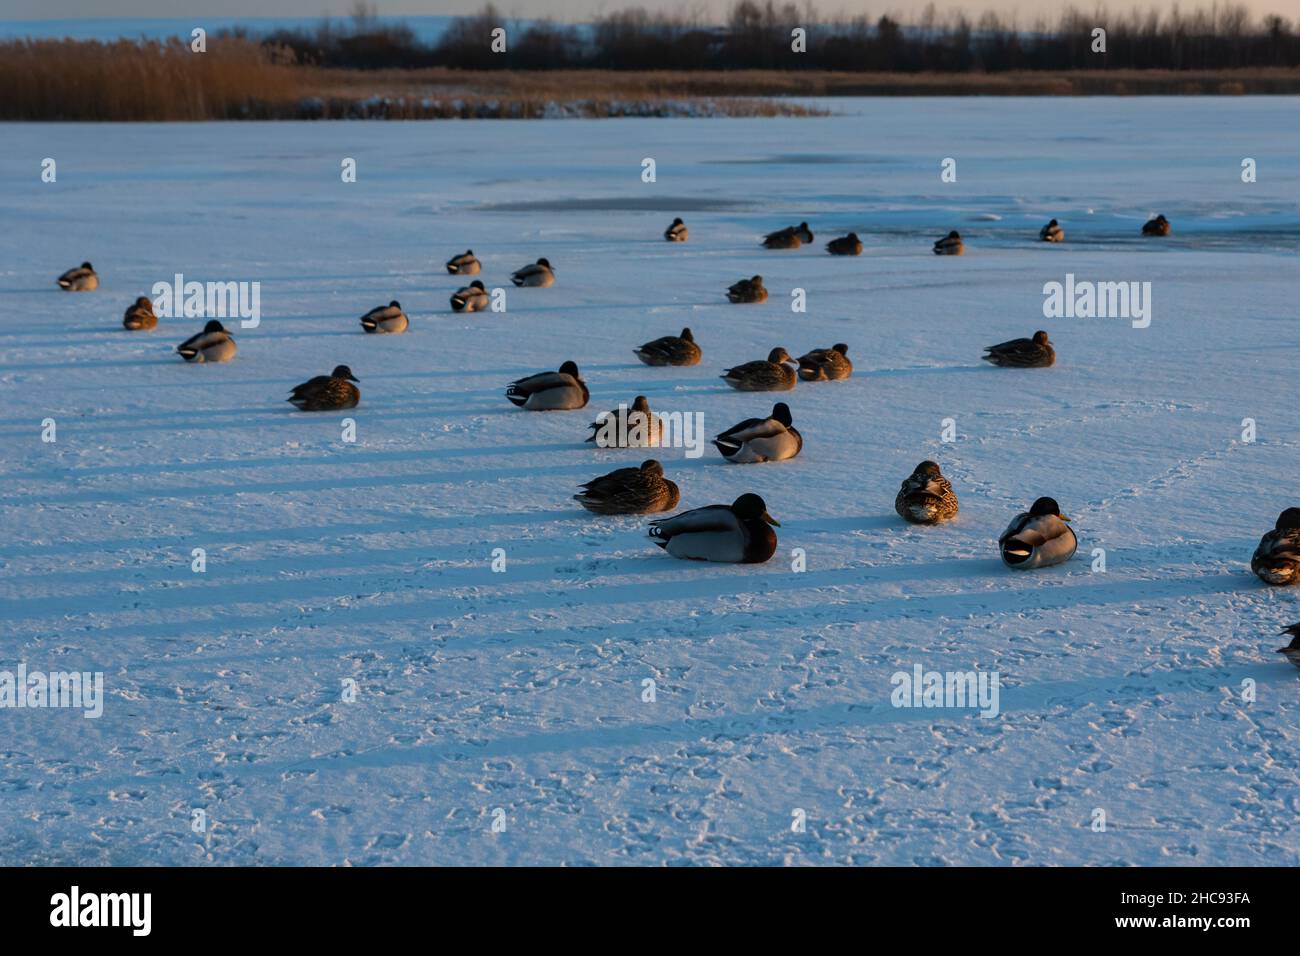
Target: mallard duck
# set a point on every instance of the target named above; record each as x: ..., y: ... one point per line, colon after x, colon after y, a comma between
x: 950, y: 245
x: 327, y: 393
x: 761, y: 439
x: 677, y: 232
x: 826, y: 365
x: 630, y: 491
x: 849, y: 245
x: 539, y: 274
x: 1158, y: 226
x: 635, y: 427
x: 804, y: 233
x: 386, y: 318
x: 1038, y: 538
x: 1022, y: 353
x: 737, y: 533
x: 550, y: 391
x: 472, y: 298
x: 1277, y: 559
x: 670, y: 350
x: 787, y: 238
x: 213, y: 344
x: 1052, y: 232
x: 80, y: 279
x: 464, y: 265
x: 1292, y: 650
x: 770, y: 375
x: 748, y: 290
x: 140, y: 315
x: 926, y: 497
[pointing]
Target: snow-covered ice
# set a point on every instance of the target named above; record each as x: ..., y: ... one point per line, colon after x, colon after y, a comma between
x: 522, y: 691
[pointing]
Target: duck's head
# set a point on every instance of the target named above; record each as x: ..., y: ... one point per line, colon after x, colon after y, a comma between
x: 570, y: 368
x: 1053, y: 223
x: 144, y: 302
x: 756, y: 281
x: 1047, y: 506
x: 641, y: 404
x: 803, y: 226
x: 954, y: 234
x: 677, y: 221
x: 1161, y: 218
x: 395, y: 305
x: 853, y: 237
x: 778, y: 356
x: 750, y: 507
x: 651, y: 467
x: 469, y: 252
x: 1288, y: 519
x: 87, y: 265
x: 342, y: 371
x: 686, y: 336
x: 1040, y: 338
x: 781, y: 412
x: 214, y: 326
x: 476, y: 284
x: 841, y: 348
x: 545, y: 262
x: 930, y: 469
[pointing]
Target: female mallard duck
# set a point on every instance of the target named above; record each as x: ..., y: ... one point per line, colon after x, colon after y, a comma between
x: 787, y: 238
x: 80, y: 279
x: 761, y: 439
x: 1277, y: 559
x: 677, y: 232
x: 386, y: 318
x: 635, y: 427
x: 926, y: 497
x: 140, y: 315
x: 1292, y: 650
x: 213, y: 344
x: 1052, y: 232
x: 737, y: 533
x: 804, y: 233
x: 464, y: 265
x: 826, y: 365
x: 1038, y: 538
x: 550, y: 391
x: 950, y: 245
x: 670, y: 350
x: 327, y: 393
x: 1022, y: 353
x: 472, y: 298
x: 1158, y: 226
x: 539, y: 274
x: 748, y: 290
x: 630, y: 491
x: 770, y: 375
x: 849, y: 245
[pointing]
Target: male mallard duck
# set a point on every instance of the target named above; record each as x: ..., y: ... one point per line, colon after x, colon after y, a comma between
x: 630, y: 491
x: 737, y: 532
x: 635, y: 427
x: 472, y: 298
x: 748, y: 290
x: 771, y: 375
x: 550, y: 391
x: 464, y: 265
x: 826, y: 365
x: 1277, y: 559
x: 1292, y: 650
x: 849, y: 245
x: 787, y: 238
x: 950, y: 245
x: 386, y: 318
x: 213, y: 344
x: 761, y: 439
x: 539, y: 274
x: 670, y: 350
x: 327, y: 393
x: 80, y: 279
x: 1022, y: 353
x: 1038, y: 538
x: 1052, y: 232
x: 677, y: 232
x: 926, y: 497
x: 1158, y: 226
x: 140, y: 315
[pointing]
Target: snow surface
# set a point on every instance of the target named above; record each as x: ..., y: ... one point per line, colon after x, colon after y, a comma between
x: 522, y: 690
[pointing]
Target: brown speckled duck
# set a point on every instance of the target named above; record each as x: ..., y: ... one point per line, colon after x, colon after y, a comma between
x: 1052, y: 232
x: 849, y: 245
x: 1022, y: 353
x: 327, y: 393
x: 826, y: 365
x: 630, y: 491
x: 628, y: 427
x: 677, y: 232
x: 770, y: 375
x: 140, y: 315
x: 1292, y: 650
x: 1277, y: 559
x: 748, y: 290
x: 1158, y: 226
x: 950, y: 245
x: 670, y: 350
x: 926, y: 496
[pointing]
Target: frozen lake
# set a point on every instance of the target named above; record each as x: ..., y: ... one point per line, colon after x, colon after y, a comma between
x: 369, y: 562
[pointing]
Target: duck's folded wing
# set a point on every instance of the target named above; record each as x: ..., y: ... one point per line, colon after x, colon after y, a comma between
x: 698, y: 521
x: 753, y: 429
x: 542, y: 381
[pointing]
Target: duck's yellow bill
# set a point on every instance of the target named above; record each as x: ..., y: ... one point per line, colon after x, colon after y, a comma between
x: 770, y: 520
x: 1065, y: 518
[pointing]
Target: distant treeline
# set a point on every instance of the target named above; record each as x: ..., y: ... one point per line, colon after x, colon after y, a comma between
x: 759, y: 36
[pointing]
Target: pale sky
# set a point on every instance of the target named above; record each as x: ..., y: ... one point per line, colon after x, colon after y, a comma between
x: 571, y: 10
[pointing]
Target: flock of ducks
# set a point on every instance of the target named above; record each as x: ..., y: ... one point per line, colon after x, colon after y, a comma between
x: 741, y: 532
